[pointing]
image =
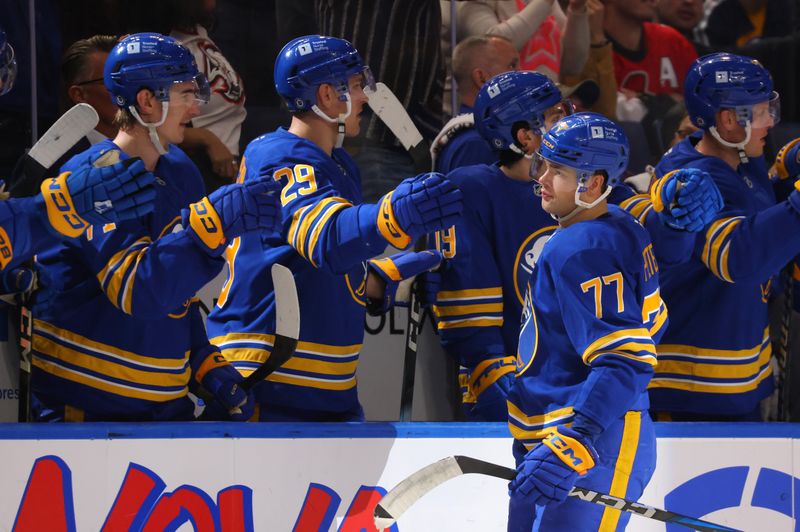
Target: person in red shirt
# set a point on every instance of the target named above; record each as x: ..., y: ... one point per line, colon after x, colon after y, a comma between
x: 649, y: 58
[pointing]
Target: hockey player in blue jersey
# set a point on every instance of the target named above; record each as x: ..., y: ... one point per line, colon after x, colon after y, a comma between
x: 30, y: 224
x: 327, y: 236
x: 714, y: 361
x: 476, y: 59
x: 578, y: 407
x: 117, y: 330
x: 492, y: 249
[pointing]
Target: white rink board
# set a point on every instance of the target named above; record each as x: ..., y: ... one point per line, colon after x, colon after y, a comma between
x: 277, y: 464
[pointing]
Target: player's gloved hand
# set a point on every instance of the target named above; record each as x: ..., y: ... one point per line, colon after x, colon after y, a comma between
x: 419, y: 205
x: 787, y: 162
x: 233, y: 210
x: 549, y: 471
x: 686, y: 199
x: 223, y: 382
x: 398, y: 272
x: 428, y: 286
x: 95, y: 195
x: 16, y: 281
x: 490, y: 383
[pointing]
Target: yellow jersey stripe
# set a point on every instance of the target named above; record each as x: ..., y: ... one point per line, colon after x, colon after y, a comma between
x: 622, y: 469
x: 67, y: 337
x: 709, y: 387
x: 310, y: 382
x: 109, y: 387
x: 294, y: 227
x: 471, y: 293
x: 320, y: 225
x: 308, y: 219
x: 613, y: 337
x: 538, y: 419
x: 471, y: 322
x: 716, y: 371
x: 462, y: 310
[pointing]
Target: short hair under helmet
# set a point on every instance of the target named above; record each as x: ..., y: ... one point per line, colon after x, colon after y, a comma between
x: 587, y: 142
x: 727, y: 81
x: 150, y: 61
x: 509, y: 98
x: 307, y: 62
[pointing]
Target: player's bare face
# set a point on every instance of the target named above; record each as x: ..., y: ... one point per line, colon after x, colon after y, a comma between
x: 183, y: 106
x: 553, y: 115
x: 558, y: 184
x: 357, y: 100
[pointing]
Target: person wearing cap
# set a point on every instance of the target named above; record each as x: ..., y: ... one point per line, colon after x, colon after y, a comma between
x: 475, y: 60
x: 117, y: 332
x: 714, y: 361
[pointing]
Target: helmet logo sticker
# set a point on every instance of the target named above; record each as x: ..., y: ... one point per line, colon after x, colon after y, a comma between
x: 721, y: 77
x: 597, y: 132
x: 493, y: 90
x: 304, y: 48
x: 133, y: 48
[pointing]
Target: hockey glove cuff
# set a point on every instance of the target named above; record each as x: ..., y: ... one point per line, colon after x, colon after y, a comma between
x: 487, y: 387
x: 787, y: 162
x: 222, y: 380
x: 398, y: 273
x: 549, y: 471
x: 419, y: 205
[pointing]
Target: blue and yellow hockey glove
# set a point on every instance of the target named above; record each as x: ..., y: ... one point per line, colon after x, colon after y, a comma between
x: 97, y: 196
x: 233, y: 210
x: 787, y: 162
x: 549, y: 471
x: 399, y: 270
x: 222, y: 380
x: 487, y: 388
x: 686, y: 199
x: 418, y: 206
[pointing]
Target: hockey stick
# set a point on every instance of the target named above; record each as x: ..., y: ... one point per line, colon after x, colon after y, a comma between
x: 287, y: 325
x: 414, y: 487
x: 388, y: 108
x: 58, y: 140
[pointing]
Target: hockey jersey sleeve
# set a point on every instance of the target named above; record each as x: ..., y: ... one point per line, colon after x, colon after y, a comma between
x: 603, y: 313
x: 144, y: 277
x: 469, y: 307
x: 324, y: 227
x: 737, y: 247
x: 23, y: 230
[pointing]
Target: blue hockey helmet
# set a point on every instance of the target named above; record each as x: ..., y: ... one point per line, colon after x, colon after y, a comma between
x: 587, y: 142
x: 727, y: 81
x: 307, y: 62
x: 8, y: 64
x: 150, y: 61
x: 509, y: 98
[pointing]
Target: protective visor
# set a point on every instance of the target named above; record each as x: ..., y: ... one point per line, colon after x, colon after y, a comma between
x: 201, y: 92
x: 8, y: 69
x: 761, y: 115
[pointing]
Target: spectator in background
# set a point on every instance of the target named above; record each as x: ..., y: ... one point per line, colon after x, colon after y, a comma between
x: 400, y: 43
x: 735, y: 23
x: 549, y: 41
x: 685, y: 16
x: 476, y: 59
x: 82, y: 81
x: 649, y: 58
x: 599, y: 67
x: 216, y: 130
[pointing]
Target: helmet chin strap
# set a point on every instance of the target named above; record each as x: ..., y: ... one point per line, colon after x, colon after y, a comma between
x: 739, y: 147
x: 151, y: 127
x: 338, y: 121
x: 581, y: 205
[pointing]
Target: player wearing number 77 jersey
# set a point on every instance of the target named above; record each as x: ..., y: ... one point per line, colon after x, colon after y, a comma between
x: 587, y: 344
x: 327, y: 235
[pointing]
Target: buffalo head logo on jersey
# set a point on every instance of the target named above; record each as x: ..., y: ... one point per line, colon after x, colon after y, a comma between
x: 527, y: 255
x: 222, y: 78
